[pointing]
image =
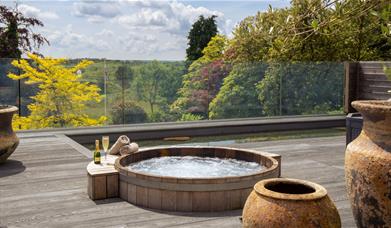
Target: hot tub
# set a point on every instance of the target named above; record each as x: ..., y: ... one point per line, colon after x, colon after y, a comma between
x: 191, y: 194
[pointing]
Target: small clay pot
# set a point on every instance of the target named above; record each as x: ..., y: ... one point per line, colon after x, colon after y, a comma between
x: 8, y: 139
x: 368, y: 166
x: 283, y: 202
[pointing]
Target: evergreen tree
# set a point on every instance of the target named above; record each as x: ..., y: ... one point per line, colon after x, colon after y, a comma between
x: 199, y: 36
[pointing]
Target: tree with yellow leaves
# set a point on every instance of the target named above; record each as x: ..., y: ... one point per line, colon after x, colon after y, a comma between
x: 62, y: 97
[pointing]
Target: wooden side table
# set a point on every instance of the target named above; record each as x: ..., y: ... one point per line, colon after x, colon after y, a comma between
x: 102, y: 179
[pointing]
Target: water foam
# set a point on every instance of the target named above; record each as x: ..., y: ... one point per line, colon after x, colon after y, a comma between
x: 195, y: 167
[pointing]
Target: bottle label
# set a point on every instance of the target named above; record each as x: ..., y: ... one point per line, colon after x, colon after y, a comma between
x: 97, y: 158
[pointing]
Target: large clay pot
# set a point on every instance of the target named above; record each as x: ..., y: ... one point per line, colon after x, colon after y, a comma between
x: 281, y: 202
x: 368, y: 166
x: 8, y: 139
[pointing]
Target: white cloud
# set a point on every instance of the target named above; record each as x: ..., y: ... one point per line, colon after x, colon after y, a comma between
x: 145, y: 3
x: 169, y: 16
x: 69, y: 39
x: 127, y: 29
x: 149, y: 44
x: 105, y: 33
x: 96, y: 11
x: 31, y: 11
x: 149, y: 26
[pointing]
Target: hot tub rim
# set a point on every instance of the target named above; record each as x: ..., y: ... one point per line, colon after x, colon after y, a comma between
x: 207, y: 180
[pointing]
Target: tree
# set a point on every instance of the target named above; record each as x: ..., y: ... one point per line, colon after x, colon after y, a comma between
x: 255, y: 35
x: 328, y: 30
x: 16, y: 36
x: 203, y: 80
x: 237, y: 96
x: 313, y: 33
x: 128, y: 112
x: 62, y: 97
x: 301, y: 88
x: 124, y: 76
x: 199, y: 36
x: 150, y: 84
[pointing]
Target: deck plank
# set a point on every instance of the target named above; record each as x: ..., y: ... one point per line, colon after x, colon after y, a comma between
x: 45, y: 185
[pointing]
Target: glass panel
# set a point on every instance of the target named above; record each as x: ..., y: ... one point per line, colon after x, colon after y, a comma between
x: 8, y: 87
x: 310, y: 88
x: 162, y: 91
x: 94, y: 74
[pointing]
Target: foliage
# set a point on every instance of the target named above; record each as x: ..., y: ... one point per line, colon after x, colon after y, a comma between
x: 199, y: 36
x: 301, y: 88
x: 124, y: 75
x: 61, y: 99
x: 309, y: 31
x: 365, y: 29
x: 190, y: 117
x: 174, y: 82
x: 320, y: 30
x: 203, y: 80
x: 254, y: 36
x: 161, y: 116
x: 128, y: 112
x: 16, y: 36
x: 335, y: 31
x: 237, y: 97
x: 152, y: 83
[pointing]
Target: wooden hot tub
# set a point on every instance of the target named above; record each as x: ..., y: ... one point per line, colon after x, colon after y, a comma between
x: 191, y: 194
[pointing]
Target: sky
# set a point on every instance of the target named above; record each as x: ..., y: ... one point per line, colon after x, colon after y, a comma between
x: 130, y: 29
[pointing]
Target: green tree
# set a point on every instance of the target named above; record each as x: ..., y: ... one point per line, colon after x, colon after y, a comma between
x: 314, y: 32
x: 324, y: 30
x: 124, y: 76
x: 16, y: 36
x: 301, y: 88
x: 255, y: 35
x: 170, y: 87
x: 190, y: 117
x: 237, y: 96
x: 128, y: 112
x: 151, y: 83
x: 199, y: 36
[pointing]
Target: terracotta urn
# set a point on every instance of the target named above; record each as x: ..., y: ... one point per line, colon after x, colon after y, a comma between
x: 282, y: 202
x: 368, y: 166
x: 8, y: 139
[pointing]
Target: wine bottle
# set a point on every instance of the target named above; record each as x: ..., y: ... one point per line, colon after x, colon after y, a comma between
x: 97, y: 153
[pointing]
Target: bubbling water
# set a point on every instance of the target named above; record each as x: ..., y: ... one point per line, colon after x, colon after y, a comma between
x: 195, y: 167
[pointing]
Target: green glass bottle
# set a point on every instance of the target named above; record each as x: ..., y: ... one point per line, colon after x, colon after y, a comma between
x: 97, y: 153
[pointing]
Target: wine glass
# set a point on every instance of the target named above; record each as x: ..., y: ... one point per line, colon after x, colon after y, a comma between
x: 105, y: 144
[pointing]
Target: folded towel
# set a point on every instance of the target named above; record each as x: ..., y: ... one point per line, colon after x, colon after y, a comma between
x: 121, y: 141
x: 129, y: 149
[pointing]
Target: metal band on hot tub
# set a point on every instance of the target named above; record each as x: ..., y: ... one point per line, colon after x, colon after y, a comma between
x: 194, y: 187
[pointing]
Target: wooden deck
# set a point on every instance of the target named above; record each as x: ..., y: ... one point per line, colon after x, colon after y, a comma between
x: 45, y: 185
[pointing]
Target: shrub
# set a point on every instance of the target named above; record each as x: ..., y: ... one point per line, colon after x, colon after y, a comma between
x: 129, y: 112
x: 190, y: 117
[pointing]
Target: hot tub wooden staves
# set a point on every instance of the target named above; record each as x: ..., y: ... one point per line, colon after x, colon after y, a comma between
x: 192, y: 194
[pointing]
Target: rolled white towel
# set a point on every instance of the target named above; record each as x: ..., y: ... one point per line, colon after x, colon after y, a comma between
x: 129, y: 149
x: 121, y: 141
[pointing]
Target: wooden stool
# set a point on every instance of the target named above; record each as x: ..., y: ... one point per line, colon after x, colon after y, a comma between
x: 102, y: 179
